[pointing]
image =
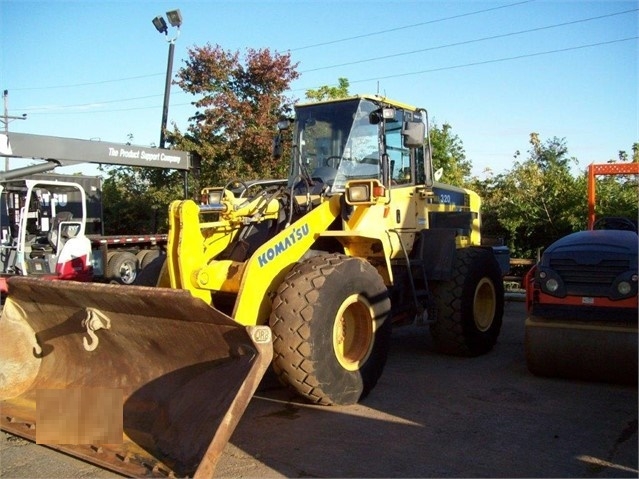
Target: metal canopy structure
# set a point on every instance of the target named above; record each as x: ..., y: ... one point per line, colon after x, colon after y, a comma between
x: 600, y: 169
x: 58, y: 151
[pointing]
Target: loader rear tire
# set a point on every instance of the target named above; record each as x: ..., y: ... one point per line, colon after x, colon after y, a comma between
x: 469, y: 307
x: 331, y: 329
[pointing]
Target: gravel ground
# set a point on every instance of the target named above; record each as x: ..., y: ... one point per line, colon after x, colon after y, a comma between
x: 429, y: 416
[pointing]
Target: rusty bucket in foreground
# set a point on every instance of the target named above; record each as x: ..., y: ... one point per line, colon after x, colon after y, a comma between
x: 143, y: 381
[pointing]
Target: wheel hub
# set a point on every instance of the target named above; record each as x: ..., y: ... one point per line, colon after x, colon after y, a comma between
x: 484, y: 304
x: 353, y: 332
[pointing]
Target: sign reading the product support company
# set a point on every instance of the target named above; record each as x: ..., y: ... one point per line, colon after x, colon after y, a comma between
x: 146, y: 155
x: 69, y: 151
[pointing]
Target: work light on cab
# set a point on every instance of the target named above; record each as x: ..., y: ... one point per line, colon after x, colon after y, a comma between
x: 366, y: 192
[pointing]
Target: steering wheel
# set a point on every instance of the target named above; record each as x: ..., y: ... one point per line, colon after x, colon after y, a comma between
x: 614, y: 223
x: 332, y: 161
x: 236, y: 183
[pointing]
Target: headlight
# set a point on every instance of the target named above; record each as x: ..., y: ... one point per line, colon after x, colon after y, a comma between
x: 550, y: 282
x: 365, y: 192
x: 359, y: 193
x: 552, y: 285
x: 624, y: 287
x: 215, y: 197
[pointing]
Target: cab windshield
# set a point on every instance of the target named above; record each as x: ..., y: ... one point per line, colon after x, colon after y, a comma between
x: 336, y: 142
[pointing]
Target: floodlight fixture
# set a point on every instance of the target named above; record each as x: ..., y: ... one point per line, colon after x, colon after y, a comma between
x: 175, y: 17
x: 160, y: 25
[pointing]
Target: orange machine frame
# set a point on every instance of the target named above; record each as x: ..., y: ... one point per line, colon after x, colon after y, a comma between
x: 595, y: 169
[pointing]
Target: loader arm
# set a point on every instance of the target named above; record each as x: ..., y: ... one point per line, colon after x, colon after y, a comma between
x: 193, y: 249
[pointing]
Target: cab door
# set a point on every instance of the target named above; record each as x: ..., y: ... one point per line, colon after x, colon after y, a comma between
x: 402, y: 218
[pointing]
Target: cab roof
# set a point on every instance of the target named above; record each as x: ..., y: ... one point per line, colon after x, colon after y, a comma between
x: 374, y: 98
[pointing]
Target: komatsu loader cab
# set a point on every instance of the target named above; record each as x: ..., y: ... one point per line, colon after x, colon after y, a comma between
x: 353, y: 139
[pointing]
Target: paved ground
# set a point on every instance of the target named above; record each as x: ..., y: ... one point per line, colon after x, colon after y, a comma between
x: 429, y: 416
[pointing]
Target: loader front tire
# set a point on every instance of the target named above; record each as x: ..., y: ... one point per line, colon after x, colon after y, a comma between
x: 331, y: 329
x: 469, y: 307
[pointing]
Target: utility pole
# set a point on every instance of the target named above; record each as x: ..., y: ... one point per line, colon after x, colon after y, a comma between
x: 6, y: 119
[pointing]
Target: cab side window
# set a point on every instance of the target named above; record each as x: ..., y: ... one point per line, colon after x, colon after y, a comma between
x: 399, y: 156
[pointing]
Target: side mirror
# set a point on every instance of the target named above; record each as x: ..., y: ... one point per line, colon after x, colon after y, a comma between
x: 413, y: 133
x: 282, y: 125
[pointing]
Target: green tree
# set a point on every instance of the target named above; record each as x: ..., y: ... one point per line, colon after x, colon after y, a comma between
x: 538, y: 200
x: 489, y: 191
x: 449, y: 155
x: 623, y: 155
x: 135, y: 201
x: 326, y: 92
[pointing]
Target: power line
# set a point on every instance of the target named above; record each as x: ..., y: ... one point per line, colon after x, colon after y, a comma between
x: 467, y: 42
x: 93, y: 103
x: 399, y: 75
x: 101, y: 82
x: 497, y: 60
x: 383, y: 32
x: 95, y: 111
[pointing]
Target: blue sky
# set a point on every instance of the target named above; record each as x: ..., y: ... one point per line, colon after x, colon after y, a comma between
x: 494, y: 70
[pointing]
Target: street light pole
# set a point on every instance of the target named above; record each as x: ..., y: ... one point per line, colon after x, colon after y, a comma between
x: 167, y: 91
x: 175, y: 19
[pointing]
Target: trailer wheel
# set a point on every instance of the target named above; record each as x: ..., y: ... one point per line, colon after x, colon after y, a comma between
x: 146, y: 257
x: 122, y: 267
x: 140, y: 255
x: 331, y: 329
x: 469, y: 307
x: 150, y: 272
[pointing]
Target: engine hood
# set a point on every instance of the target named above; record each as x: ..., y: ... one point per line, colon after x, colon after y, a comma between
x: 591, y: 245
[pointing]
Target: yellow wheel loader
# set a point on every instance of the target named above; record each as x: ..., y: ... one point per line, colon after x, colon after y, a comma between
x: 306, y: 274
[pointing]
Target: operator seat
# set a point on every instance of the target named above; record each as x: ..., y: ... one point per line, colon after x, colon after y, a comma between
x: 615, y: 223
x: 53, y: 232
x: 39, y: 249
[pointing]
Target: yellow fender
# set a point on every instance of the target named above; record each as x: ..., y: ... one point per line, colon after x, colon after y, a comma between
x: 265, y: 270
